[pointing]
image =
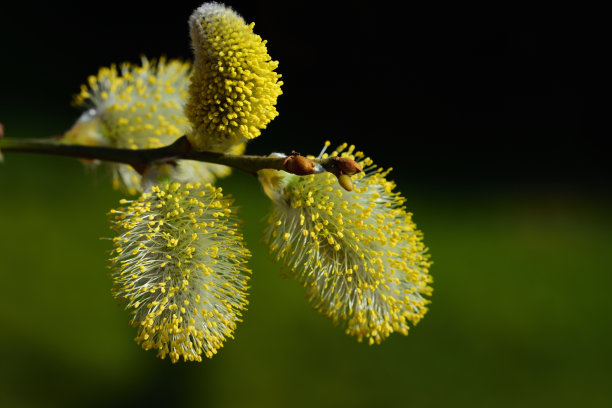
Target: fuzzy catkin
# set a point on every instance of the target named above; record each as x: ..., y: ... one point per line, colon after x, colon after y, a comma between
x: 179, y: 266
x: 358, y: 253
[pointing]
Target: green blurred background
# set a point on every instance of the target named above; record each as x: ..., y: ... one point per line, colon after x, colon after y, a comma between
x: 487, y: 130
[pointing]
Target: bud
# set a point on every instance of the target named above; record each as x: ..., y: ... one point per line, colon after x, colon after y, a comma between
x: 234, y: 88
x: 346, y: 165
x: 345, y: 182
x: 299, y: 165
x: 342, y: 168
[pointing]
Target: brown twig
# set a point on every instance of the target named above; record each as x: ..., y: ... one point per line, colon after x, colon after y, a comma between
x: 140, y: 159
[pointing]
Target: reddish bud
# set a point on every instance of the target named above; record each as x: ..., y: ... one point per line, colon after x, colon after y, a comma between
x: 299, y: 165
x: 348, y: 166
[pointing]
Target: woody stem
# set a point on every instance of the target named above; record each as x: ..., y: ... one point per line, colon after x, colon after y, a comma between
x: 141, y: 158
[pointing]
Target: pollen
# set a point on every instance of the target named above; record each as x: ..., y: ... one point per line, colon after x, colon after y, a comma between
x: 358, y: 253
x: 172, y: 271
x: 140, y: 106
x: 234, y: 87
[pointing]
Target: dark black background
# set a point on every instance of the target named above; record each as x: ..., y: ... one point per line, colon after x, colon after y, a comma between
x: 463, y: 95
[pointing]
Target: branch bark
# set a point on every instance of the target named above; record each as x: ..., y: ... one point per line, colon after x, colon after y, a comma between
x: 140, y: 159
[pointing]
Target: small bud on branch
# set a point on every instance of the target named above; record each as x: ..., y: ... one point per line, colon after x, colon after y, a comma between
x: 298, y: 164
x: 342, y: 168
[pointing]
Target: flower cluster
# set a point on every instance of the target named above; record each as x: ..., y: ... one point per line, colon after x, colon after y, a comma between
x: 358, y: 253
x: 179, y: 260
x: 180, y: 265
x: 139, y: 107
x: 234, y: 88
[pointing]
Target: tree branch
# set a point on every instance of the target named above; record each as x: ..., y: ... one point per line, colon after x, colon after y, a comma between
x: 139, y: 159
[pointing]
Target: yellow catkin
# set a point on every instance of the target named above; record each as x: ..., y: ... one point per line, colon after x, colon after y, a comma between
x: 186, y: 284
x: 140, y: 106
x: 234, y: 88
x: 362, y: 258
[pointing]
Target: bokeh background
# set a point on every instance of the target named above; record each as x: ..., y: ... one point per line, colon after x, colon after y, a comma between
x: 482, y: 113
